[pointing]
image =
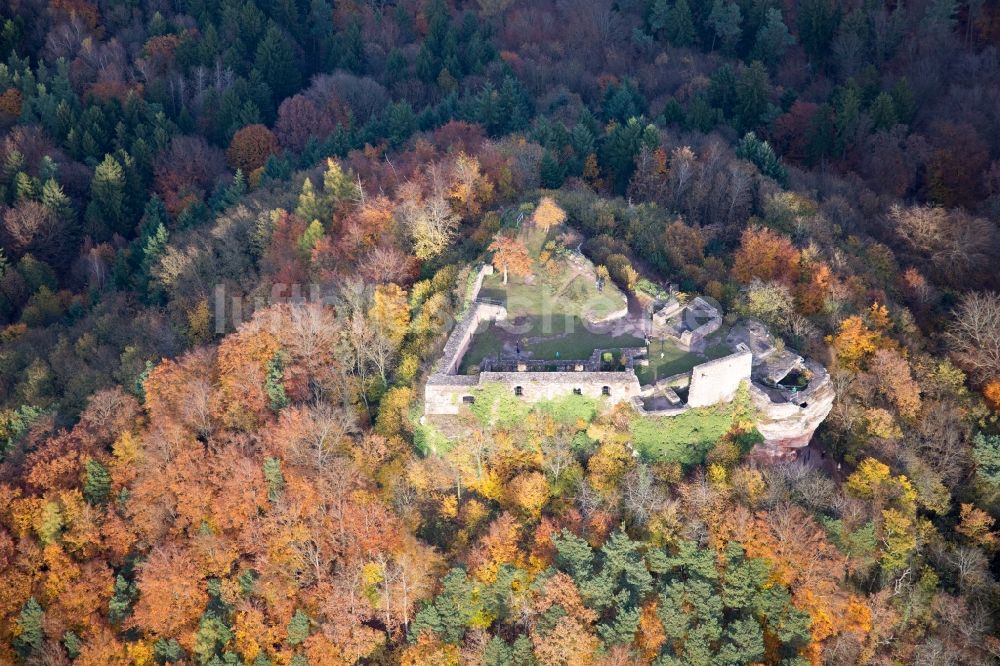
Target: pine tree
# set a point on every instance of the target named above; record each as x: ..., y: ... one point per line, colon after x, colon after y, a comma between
x: 752, y: 90
x: 28, y: 635
x: 233, y: 192
x: 623, y: 102
x: 400, y: 123
x: 120, y: 605
x: 275, y: 60
x: 904, y: 102
x: 213, y: 634
x: 986, y: 452
x: 574, y: 556
x: 513, y: 106
x: 106, y: 211
x: 56, y: 200
x: 551, y: 171
x: 680, y: 29
x: 883, y: 112
x: 310, y: 237
x: 273, y: 385
x: 298, y: 628
x: 725, y: 21
x: 275, y: 479
x: 396, y: 66
x: 822, y: 135
x: 338, y: 185
x: 72, y: 643
x: 351, y: 48
x: 168, y: 651
x: 309, y: 207
x: 47, y: 169
x: 817, y: 24
x: 152, y: 251
x: 848, y: 117
x: 773, y: 39
x: 97, y: 485
x: 25, y: 187
x: 658, y: 16
x: 761, y: 154
x: 621, y: 146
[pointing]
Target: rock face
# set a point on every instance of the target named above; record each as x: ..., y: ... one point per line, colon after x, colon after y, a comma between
x: 788, y: 425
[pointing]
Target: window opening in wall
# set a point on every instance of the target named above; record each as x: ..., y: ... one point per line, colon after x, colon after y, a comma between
x: 518, y: 391
x: 469, y: 399
x: 577, y: 391
x: 605, y: 390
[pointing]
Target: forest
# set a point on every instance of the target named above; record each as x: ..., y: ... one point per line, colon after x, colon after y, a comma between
x: 234, y: 237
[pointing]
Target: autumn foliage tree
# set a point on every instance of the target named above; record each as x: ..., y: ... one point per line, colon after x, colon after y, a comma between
x: 510, y: 254
x: 548, y: 214
x: 250, y: 147
x: 765, y: 255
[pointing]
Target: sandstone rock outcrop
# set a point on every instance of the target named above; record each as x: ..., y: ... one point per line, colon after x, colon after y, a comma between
x: 789, y: 424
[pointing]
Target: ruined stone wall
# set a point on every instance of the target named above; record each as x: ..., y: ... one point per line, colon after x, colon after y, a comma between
x: 536, y: 386
x: 461, y: 336
x: 444, y: 394
x: 717, y: 381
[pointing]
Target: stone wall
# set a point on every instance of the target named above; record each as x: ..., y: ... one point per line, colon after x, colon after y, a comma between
x: 443, y: 393
x: 717, y: 381
x: 461, y: 336
x: 537, y: 386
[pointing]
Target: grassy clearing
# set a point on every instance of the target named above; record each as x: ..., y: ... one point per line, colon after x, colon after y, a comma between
x: 558, y: 286
x: 578, y: 344
x: 684, y: 438
x: 687, y: 437
x: 673, y: 360
x: 553, y: 306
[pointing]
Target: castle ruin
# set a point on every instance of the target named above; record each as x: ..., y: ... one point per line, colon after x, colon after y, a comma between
x: 791, y: 396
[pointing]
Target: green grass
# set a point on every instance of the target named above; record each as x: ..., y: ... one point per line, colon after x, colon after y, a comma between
x: 675, y: 360
x: 430, y: 441
x: 684, y: 438
x: 562, y: 291
x: 687, y: 437
x: 485, y: 343
x: 573, y: 296
x: 570, y: 409
x: 554, y: 306
x: 579, y: 344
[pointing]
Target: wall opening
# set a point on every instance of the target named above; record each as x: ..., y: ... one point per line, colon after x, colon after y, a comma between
x: 469, y: 399
x: 605, y: 390
x: 577, y: 391
x: 518, y: 391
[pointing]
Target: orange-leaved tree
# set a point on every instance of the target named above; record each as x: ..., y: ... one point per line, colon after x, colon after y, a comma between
x: 510, y: 254
x: 250, y: 148
x: 765, y: 255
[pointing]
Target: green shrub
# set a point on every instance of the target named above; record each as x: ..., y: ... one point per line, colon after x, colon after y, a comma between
x: 429, y: 441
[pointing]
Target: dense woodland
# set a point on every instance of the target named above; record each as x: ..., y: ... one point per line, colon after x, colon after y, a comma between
x: 242, y: 480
